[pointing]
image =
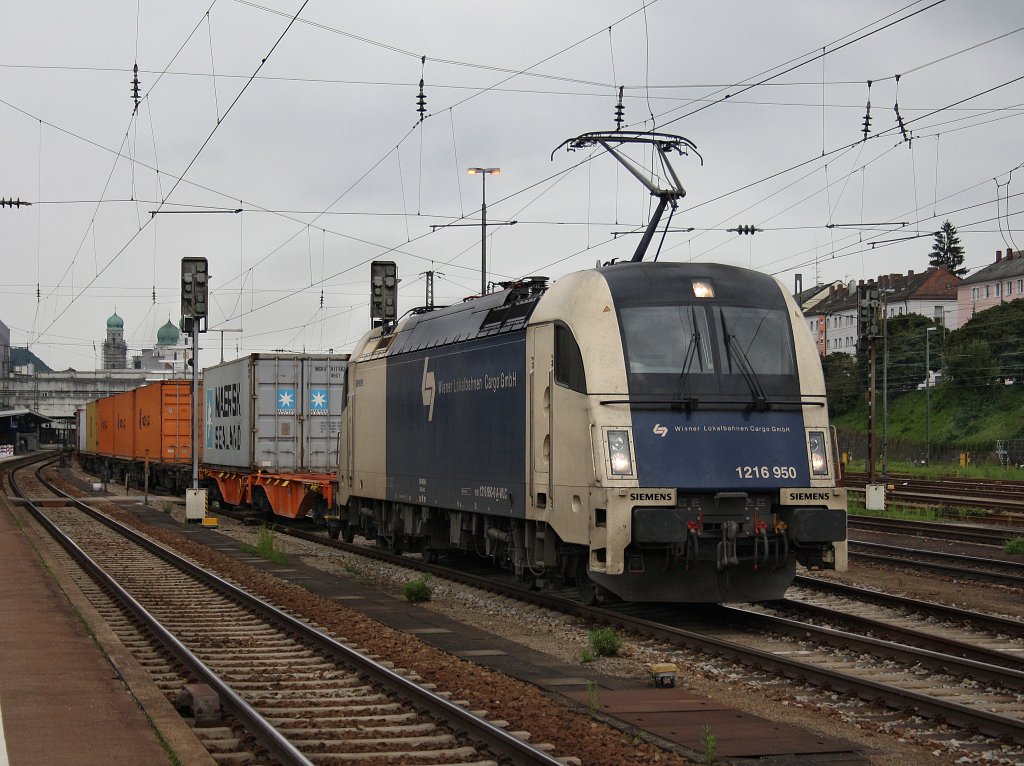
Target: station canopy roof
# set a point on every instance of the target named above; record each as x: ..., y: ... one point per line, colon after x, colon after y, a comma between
x: 23, y: 411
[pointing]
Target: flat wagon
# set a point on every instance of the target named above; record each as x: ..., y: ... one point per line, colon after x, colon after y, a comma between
x: 270, y: 431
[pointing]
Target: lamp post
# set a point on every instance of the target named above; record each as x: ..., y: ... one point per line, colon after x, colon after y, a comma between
x: 483, y: 173
x: 928, y: 395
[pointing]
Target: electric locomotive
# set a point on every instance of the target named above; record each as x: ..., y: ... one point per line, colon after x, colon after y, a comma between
x: 653, y: 431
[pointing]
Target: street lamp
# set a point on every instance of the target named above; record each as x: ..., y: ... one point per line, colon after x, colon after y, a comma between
x: 928, y: 395
x: 483, y: 173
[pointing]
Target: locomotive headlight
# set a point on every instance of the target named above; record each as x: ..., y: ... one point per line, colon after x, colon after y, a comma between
x: 819, y: 458
x: 619, y: 453
x: 702, y: 288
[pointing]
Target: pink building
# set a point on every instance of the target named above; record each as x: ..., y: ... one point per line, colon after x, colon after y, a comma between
x: 997, y: 283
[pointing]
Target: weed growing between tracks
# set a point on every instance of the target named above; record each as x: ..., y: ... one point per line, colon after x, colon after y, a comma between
x: 593, y: 698
x: 418, y: 590
x: 911, y: 513
x: 605, y: 641
x: 268, y: 547
x: 709, y: 744
x: 938, y: 470
x: 1016, y: 545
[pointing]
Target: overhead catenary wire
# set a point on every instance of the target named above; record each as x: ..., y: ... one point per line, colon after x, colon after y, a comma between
x: 191, y: 162
x: 419, y: 211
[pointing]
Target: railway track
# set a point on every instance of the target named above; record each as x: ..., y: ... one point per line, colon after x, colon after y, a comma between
x: 948, y: 679
x: 294, y: 695
x: 1001, y: 627
x: 1003, y: 499
x: 962, y: 533
x: 973, y: 686
x: 1007, y: 573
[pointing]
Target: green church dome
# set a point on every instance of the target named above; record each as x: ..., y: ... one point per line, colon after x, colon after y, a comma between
x: 168, y: 335
x: 115, y: 322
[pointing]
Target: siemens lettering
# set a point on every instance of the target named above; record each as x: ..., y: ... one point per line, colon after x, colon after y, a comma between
x: 652, y: 497
x: 657, y: 497
x: 809, y: 496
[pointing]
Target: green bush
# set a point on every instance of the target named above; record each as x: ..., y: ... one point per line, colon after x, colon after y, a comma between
x: 1016, y: 545
x: 418, y: 590
x: 605, y: 641
x: 587, y: 656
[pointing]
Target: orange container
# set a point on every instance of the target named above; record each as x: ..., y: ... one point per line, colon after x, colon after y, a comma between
x: 124, y: 430
x: 92, y: 433
x: 105, y: 426
x: 162, y: 422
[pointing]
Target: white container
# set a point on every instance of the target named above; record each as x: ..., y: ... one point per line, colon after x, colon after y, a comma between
x: 276, y: 413
x: 874, y: 497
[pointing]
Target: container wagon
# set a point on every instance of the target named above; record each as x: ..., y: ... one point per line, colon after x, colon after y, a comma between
x: 143, y: 435
x: 270, y: 432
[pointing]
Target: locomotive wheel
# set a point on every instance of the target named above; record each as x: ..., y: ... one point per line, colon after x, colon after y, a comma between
x: 333, y: 530
x: 590, y: 591
x: 348, y: 533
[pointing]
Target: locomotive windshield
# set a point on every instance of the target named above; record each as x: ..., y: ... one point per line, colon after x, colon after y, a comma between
x: 688, y: 350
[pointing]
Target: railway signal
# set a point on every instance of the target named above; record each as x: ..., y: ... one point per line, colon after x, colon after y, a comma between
x: 195, y: 293
x: 384, y: 292
x: 867, y: 305
x: 195, y: 290
x: 868, y: 333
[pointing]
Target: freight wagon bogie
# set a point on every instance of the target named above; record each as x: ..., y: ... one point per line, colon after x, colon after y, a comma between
x: 274, y: 496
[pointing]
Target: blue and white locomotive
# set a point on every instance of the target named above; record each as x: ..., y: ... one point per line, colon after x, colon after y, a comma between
x: 656, y: 431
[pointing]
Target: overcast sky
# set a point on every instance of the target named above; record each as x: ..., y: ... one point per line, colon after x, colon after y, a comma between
x: 305, y: 118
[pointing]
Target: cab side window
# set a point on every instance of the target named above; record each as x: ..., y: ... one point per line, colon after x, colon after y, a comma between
x: 569, y: 370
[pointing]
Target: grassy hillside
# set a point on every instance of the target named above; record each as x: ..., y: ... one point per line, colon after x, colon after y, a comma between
x: 959, y: 422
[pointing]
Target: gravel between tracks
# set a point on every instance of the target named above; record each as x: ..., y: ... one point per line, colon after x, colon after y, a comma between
x: 526, y: 708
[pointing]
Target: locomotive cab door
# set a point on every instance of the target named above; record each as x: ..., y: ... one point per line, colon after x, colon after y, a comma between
x: 560, y: 460
x: 540, y: 368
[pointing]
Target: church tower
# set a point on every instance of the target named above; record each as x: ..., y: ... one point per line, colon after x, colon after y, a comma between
x: 115, y: 350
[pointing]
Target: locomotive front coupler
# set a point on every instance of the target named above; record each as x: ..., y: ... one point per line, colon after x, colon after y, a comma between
x: 726, y: 553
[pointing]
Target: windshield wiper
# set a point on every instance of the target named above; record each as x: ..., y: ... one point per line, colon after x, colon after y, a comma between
x: 692, y: 350
x: 760, y: 402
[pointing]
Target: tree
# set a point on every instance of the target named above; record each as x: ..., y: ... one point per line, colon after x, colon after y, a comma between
x: 1002, y: 329
x: 947, y: 252
x: 908, y: 347
x: 844, y: 383
x: 971, y: 367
